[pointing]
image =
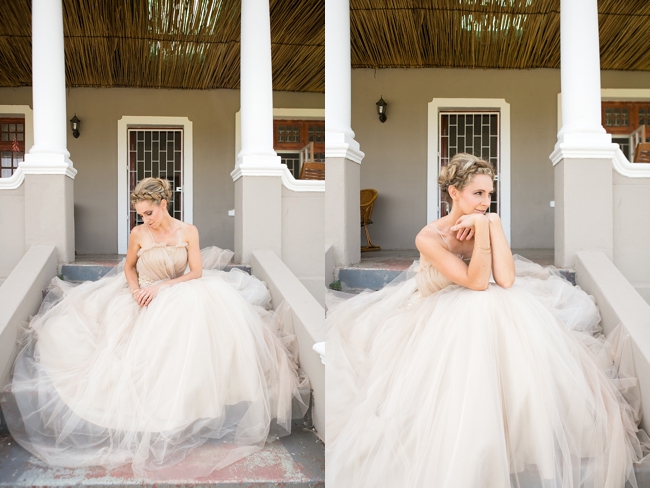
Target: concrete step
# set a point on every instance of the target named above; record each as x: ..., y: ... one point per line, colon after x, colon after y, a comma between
x: 93, y: 267
x: 294, y: 461
x: 378, y: 268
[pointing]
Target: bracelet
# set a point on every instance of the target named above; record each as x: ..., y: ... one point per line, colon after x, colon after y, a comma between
x: 484, y: 249
x: 133, y: 291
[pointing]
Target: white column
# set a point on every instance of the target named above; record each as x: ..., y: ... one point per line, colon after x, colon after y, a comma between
x: 48, y: 89
x: 256, y: 85
x: 257, y: 174
x: 49, y: 173
x: 342, y: 153
x: 583, y: 154
x: 580, y: 75
x: 339, y: 140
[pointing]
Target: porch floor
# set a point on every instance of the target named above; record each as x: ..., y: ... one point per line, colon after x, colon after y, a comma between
x: 295, y: 461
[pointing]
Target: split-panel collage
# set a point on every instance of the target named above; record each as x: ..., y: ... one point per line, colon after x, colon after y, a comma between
x: 308, y: 243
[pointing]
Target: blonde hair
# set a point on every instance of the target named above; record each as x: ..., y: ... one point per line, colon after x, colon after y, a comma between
x: 460, y: 170
x: 153, y: 190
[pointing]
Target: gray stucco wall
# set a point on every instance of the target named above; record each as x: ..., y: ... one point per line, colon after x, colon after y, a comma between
x: 94, y: 153
x: 396, y: 151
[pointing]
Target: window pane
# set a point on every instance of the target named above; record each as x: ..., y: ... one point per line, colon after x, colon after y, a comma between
x: 12, y: 127
x: 5, y: 159
x: 6, y: 173
x: 20, y: 128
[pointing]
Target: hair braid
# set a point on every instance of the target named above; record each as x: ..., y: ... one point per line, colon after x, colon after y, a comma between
x: 460, y: 170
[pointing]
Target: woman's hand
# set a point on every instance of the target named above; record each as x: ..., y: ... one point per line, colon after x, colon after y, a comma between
x: 465, y: 226
x: 144, y: 296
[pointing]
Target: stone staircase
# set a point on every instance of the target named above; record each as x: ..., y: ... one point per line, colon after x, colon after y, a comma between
x: 93, y: 267
x: 294, y: 461
x: 378, y: 268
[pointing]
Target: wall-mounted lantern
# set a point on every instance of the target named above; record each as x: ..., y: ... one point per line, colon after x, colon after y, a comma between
x: 74, y: 123
x: 381, y: 109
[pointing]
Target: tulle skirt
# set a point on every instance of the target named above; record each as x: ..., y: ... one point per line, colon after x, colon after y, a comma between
x: 100, y: 380
x: 468, y: 389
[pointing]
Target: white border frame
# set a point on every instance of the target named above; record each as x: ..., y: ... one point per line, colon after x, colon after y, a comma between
x: 288, y: 181
x: 15, y: 180
x: 621, y: 164
x: 462, y: 104
x: 127, y: 122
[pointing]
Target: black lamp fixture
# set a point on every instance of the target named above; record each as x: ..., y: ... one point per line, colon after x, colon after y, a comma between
x: 381, y: 109
x: 74, y: 123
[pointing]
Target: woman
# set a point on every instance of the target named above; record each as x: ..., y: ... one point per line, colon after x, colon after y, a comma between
x: 147, y: 364
x: 462, y: 376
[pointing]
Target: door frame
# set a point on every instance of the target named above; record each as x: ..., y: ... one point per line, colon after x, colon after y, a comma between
x: 129, y: 122
x: 467, y: 104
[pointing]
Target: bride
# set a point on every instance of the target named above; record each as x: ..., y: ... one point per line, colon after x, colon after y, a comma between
x: 476, y: 370
x: 148, y: 363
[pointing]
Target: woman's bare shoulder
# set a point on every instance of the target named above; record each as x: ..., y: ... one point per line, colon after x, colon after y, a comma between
x: 188, y: 230
x: 428, y: 236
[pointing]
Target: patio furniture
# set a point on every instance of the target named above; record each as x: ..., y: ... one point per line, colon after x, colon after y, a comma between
x: 311, y: 170
x: 367, y: 200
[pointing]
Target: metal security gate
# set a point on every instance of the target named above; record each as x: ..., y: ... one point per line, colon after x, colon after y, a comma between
x: 475, y: 133
x: 156, y: 153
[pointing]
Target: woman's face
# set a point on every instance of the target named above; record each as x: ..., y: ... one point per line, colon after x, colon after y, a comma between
x: 475, y: 197
x: 152, y: 214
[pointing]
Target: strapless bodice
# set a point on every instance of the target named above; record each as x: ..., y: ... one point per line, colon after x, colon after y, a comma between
x: 161, y: 261
x: 429, y: 279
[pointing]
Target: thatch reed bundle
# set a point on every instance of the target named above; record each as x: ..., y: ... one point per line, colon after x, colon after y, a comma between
x: 502, y: 34
x: 187, y: 44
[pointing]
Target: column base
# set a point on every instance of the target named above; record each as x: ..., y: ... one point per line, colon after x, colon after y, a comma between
x: 49, y: 213
x: 583, y: 208
x: 342, y: 212
x: 258, y: 215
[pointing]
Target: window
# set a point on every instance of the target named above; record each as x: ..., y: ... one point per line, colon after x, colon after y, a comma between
x: 156, y: 153
x: 623, y: 118
x: 290, y: 136
x: 12, y: 145
x: 475, y: 133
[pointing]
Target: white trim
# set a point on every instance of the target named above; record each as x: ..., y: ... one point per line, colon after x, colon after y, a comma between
x: 123, y: 125
x: 15, y: 180
x: 620, y: 163
x: 463, y: 104
x: 288, y: 181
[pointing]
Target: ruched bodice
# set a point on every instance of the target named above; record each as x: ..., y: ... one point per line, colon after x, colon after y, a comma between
x: 161, y: 261
x: 429, y: 279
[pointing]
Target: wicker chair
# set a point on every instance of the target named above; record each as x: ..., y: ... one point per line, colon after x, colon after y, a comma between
x: 368, y: 197
x: 311, y: 170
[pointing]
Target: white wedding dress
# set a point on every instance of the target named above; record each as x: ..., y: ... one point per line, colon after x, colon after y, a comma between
x: 100, y: 380
x: 432, y: 385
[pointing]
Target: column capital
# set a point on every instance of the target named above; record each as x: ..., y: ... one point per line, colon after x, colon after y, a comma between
x: 583, y: 151
x: 257, y: 165
x: 47, y: 164
x: 342, y: 145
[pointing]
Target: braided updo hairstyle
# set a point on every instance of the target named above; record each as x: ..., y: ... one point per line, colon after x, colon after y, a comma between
x: 459, y: 172
x: 153, y: 190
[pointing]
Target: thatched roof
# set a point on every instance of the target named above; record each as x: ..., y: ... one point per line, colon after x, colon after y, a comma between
x: 167, y: 43
x: 504, y: 34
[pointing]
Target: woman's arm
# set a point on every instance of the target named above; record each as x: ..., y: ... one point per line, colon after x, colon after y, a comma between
x: 191, y: 235
x: 474, y: 276
x: 503, y: 265
x: 131, y: 260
